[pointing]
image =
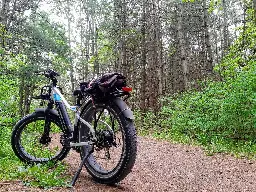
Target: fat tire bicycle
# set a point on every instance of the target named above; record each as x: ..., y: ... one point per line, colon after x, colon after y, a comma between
x: 103, y: 131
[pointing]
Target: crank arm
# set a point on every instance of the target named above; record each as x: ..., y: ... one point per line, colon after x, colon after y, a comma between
x: 80, y: 144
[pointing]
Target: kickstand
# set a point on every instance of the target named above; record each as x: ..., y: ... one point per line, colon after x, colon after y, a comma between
x: 73, y: 182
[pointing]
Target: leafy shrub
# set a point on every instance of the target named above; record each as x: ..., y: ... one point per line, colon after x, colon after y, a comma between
x: 222, y: 116
x: 11, y: 168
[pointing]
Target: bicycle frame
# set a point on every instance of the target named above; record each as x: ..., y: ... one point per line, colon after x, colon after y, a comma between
x: 59, y: 100
x: 102, y: 122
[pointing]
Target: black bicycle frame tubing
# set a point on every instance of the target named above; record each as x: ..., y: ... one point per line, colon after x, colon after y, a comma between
x: 63, y: 115
x: 47, y: 117
x: 97, y: 119
x: 47, y: 122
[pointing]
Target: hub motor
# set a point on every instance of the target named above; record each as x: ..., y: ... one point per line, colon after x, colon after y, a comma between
x: 45, y: 139
x: 105, y: 139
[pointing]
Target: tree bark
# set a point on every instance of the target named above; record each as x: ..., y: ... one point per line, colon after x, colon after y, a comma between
x: 254, y: 8
x: 4, y: 11
x: 27, y: 100
x: 123, y: 38
x: 182, y: 49
x: 21, y: 95
x: 96, y: 63
x: 143, y: 59
x: 3, y: 21
x: 71, y: 68
x: 209, y: 57
x: 225, y: 29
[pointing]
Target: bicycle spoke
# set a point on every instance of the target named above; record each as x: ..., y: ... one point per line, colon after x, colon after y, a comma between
x: 106, y: 157
x: 30, y: 140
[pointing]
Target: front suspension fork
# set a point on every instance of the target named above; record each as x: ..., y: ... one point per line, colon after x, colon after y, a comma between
x: 45, y: 139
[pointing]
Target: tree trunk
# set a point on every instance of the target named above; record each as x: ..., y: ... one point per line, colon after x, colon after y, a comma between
x: 209, y: 57
x: 96, y: 62
x: 3, y: 21
x: 21, y: 94
x: 71, y: 68
x: 254, y: 7
x: 182, y: 49
x: 87, y: 45
x: 123, y: 38
x: 143, y: 60
x: 225, y: 29
x: 117, y: 37
x: 4, y: 11
x: 27, y: 99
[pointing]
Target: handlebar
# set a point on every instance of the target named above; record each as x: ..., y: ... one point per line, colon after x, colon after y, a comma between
x: 51, y: 74
x: 48, y: 73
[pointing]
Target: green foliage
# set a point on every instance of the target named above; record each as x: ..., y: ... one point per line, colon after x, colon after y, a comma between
x: 214, y: 4
x: 12, y: 67
x: 36, y: 45
x: 46, y: 40
x: 187, y: 1
x: 46, y: 176
x: 241, y: 53
x: 8, y: 101
x: 222, y: 116
x: 11, y: 168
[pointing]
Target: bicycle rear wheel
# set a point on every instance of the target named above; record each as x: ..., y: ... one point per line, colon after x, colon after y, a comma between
x: 30, y: 143
x: 115, y: 151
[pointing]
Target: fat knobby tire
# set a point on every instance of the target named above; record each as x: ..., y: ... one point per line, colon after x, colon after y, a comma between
x: 129, y: 152
x: 16, y: 134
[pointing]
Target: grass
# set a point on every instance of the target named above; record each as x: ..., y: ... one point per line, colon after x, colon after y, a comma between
x: 41, y: 175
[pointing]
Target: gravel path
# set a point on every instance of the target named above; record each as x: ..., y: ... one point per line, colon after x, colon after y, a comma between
x: 162, y: 166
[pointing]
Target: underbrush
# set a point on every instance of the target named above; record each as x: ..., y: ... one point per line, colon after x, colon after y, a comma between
x: 41, y: 175
x: 221, y: 117
x: 11, y: 168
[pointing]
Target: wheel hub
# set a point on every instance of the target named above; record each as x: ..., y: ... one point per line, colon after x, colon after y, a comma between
x: 45, y: 139
x: 105, y: 139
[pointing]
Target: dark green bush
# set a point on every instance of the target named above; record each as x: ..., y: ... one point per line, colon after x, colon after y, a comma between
x: 221, y: 117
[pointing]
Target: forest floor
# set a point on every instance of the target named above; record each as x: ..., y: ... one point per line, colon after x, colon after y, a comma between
x: 163, y: 166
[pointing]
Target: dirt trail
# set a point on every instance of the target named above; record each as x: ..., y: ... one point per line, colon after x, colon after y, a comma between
x: 161, y: 166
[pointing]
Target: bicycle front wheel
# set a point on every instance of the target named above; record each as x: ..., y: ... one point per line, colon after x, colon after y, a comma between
x: 31, y: 144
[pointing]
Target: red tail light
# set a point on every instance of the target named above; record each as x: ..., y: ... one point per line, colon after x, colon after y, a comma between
x: 127, y: 89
